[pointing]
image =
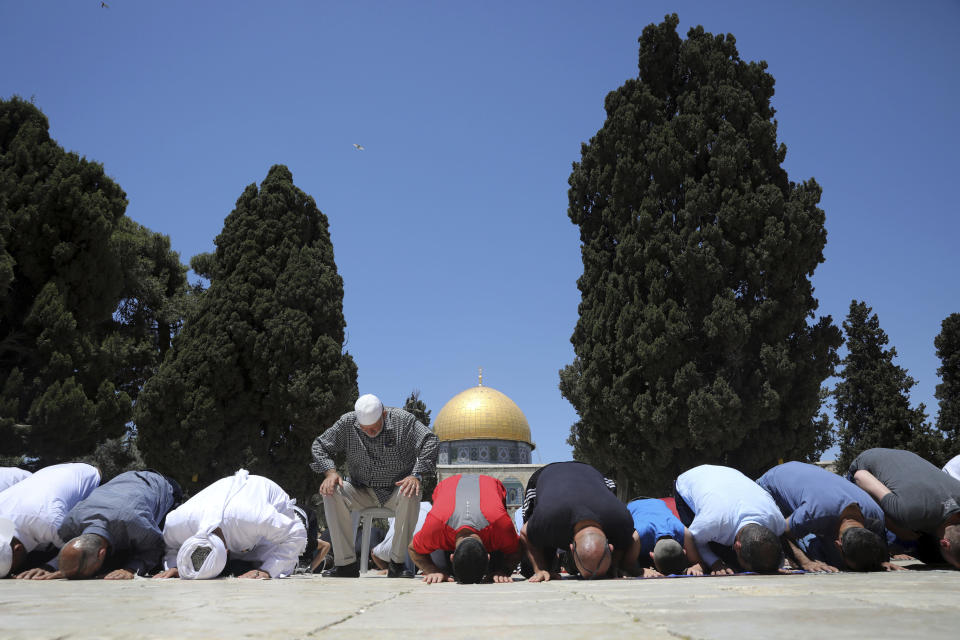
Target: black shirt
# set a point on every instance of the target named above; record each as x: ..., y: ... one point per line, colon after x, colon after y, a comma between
x: 568, y: 493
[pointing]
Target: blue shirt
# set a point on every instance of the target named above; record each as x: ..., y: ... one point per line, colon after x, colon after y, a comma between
x: 652, y: 519
x: 812, y: 498
x: 724, y: 501
x: 126, y: 512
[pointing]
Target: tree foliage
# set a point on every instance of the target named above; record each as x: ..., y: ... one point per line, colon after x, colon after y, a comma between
x: 696, y: 340
x: 259, y: 367
x: 872, y: 398
x: 948, y: 391
x: 418, y: 408
x: 83, y: 292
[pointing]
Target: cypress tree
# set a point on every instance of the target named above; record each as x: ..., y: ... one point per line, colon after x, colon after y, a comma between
x: 948, y: 391
x: 696, y: 340
x: 71, y: 361
x: 418, y: 408
x: 872, y: 398
x: 258, y: 369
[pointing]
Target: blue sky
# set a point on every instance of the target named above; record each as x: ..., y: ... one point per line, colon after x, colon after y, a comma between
x: 450, y: 228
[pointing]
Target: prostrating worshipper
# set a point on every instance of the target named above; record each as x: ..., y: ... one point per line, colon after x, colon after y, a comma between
x: 470, y: 524
x: 116, y: 529
x: 10, y: 476
x: 663, y: 539
x: 387, y: 450
x: 952, y: 468
x: 920, y: 501
x: 380, y: 554
x: 571, y: 507
x: 32, y: 511
x: 244, y: 518
x: 825, y: 512
x: 734, y: 522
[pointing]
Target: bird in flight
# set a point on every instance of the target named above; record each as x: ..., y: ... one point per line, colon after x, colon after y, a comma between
x: 358, y: 147
x: 104, y: 5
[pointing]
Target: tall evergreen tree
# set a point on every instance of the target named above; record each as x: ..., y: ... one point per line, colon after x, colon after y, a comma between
x: 417, y: 407
x: 71, y: 360
x: 259, y: 367
x: 696, y: 340
x: 872, y: 398
x: 948, y: 391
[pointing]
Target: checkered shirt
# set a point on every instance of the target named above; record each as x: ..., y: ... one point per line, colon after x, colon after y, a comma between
x: 404, y: 446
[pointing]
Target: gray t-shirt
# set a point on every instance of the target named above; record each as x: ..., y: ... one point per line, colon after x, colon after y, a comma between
x: 921, y: 495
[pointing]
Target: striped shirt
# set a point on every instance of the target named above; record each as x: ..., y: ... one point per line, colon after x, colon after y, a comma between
x: 404, y: 446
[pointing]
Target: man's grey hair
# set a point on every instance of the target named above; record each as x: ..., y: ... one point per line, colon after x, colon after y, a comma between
x: 88, y: 544
x: 198, y: 556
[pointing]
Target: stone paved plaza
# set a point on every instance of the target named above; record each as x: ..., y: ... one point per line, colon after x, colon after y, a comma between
x: 914, y: 604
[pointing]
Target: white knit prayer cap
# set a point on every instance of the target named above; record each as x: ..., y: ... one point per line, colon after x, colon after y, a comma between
x: 210, y: 566
x: 369, y: 409
x: 7, y: 531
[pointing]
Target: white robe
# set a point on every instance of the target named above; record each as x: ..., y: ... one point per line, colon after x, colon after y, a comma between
x: 953, y: 467
x: 38, y: 504
x: 258, y: 524
x: 10, y: 476
x: 382, y: 550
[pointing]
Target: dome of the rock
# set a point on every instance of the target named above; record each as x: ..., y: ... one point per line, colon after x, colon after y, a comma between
x: 482, y: 425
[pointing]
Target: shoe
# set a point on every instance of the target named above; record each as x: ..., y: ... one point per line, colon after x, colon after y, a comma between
x: 397, y: 570
x: 351, y: 570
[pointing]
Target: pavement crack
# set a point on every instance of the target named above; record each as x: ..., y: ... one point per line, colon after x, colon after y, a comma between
x: 356, y: 613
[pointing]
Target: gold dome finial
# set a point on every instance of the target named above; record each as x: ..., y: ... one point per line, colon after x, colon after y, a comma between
x: 481, y: 377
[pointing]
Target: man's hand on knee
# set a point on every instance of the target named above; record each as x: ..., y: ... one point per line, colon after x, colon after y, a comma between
x: 409, y: 486
x: 331, y: 481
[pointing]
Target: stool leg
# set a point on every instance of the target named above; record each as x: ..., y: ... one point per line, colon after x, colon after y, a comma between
x: 365, y: 543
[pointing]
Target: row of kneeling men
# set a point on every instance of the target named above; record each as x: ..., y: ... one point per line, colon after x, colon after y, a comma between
x: 60, y: 522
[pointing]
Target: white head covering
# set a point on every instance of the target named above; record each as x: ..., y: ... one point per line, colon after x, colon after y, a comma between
x: 7, y: 531
x: 212, y: 565
x: 369, y: 409
x: 216, y: 560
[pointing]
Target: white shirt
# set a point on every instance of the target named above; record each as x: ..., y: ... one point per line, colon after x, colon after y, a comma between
x: 10, y: 476
x: 258, y: 524
x: 38, y: 504
x: 953, y: 467
x: 382, y: 550
x: 724, y: 501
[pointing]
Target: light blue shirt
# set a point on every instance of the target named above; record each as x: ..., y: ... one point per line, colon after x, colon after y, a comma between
x: 724, y: 501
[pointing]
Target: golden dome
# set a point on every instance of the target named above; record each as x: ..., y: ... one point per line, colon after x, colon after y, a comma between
x: 481, y: 413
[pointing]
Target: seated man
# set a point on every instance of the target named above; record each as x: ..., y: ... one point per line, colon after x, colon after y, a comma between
x: 244, y: 517
x: 918, y: 499
x: 116, y: 528
x: 571, y: 507
x: 469, y: 520
x: 816, y: 502
x: 725, y: 510
x: 387, y: 452
x: 33, y: 511
x: 664, y: 538
x: 10, y: 476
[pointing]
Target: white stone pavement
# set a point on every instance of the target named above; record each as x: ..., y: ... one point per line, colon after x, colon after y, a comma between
x: 908, y: 604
